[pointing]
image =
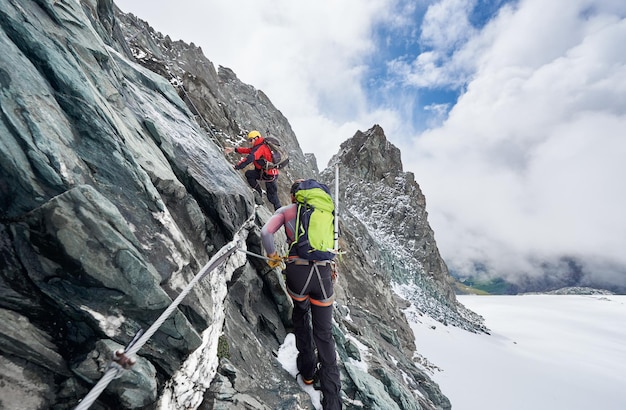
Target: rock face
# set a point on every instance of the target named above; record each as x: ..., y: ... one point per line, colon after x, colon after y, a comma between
x: 386, y: 210
x: 223, y: 106
x: 115, y: 193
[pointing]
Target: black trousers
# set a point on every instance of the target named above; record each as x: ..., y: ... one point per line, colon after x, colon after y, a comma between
x: 311, y: 288
x: 255, y: 176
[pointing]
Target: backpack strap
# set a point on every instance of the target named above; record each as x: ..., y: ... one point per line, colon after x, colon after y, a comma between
x: 274, y: 146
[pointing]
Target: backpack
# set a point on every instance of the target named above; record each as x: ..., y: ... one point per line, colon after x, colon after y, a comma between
x: 279, y: 158
x: 315, y: 217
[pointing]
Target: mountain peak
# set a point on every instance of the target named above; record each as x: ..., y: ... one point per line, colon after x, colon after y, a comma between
x: 369, y: 155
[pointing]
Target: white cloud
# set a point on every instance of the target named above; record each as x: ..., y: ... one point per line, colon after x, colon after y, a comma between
x: 446, y: 24
x: 444, y: 29
x: 530, y: 160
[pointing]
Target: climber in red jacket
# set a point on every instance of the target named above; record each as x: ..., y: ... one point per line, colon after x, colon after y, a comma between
x: 258, y: 154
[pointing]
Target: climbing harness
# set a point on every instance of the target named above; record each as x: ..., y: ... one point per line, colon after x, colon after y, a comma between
x: 327, y: 300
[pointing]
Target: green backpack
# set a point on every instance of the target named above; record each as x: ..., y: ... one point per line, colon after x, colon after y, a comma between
x: 314, y: 230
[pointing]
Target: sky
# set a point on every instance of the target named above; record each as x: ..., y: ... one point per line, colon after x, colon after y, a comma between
x: 511, y: 114
x: 544, y: 352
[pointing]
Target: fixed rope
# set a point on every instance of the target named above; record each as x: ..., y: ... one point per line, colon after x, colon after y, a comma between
x: 123, y: 359
x: 256, y: 255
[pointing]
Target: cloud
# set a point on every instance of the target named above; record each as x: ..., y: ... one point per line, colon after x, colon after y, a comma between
x: 445, y: 28
x: 446, y: 25
x: 528, y: 166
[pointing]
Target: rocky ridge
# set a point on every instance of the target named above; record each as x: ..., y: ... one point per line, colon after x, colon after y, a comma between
x: 388, y: 210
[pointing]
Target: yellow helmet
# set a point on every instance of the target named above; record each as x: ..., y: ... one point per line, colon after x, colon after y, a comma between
x: 254, y: 134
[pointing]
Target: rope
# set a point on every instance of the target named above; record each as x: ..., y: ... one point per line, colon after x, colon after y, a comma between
x: 256, y: 255
x: 215, y: 261
x: 97, y: 389
x: 115, y: 369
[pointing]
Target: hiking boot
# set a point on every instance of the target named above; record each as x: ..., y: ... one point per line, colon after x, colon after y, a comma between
x: 313, y: 381
x: 310, y: 382
x: 307, y: 365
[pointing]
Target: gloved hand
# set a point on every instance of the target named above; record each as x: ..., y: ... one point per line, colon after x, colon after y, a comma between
x: 238, y: 165
x: 274, y: 260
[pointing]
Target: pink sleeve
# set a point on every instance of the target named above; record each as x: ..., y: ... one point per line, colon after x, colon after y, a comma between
x: 267, y: 232
x: 284, y: 216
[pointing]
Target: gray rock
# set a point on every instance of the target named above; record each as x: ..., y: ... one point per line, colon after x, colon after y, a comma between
x: 20, y: 338
x: 370, y: 390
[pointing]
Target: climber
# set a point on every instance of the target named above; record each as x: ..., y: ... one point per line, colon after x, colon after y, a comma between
x: 258, y: 154
x: 310, y: 285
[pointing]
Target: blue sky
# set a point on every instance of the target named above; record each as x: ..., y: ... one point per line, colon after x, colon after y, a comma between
x: 511, y: 114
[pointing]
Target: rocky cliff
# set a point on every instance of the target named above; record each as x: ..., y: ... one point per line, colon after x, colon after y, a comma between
x: 385, y: 208
x: 115, y: 193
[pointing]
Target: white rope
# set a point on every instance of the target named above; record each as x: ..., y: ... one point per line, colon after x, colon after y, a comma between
x: 97, y: 389
x: 114, y: 369
x: 215, y: 261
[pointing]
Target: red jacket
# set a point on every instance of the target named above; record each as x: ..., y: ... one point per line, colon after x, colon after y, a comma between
x: 260, y: 154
